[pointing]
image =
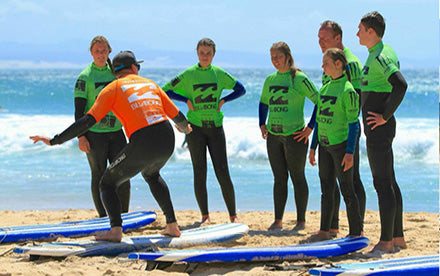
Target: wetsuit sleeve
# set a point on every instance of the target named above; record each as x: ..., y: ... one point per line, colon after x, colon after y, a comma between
x: 263, y: 109
x: 396, y: 96
x: 104, y: 102
x: 80, y: 107
x: 312, y: 121
x: 239, y: 91
x: 307, y: 88
x: 353, y: 130
x: 74, y: 130
x: 314, y: 143
x: 181, y: 121
x: 175, y: 96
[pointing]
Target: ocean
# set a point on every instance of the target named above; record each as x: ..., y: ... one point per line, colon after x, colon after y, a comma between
x: 37, y: 177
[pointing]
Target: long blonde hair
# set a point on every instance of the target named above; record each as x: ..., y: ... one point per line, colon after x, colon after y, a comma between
x: 284, y: 48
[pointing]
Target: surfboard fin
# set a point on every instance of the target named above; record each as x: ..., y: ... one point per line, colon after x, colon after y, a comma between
x: 190, y: 267
x: 152, y: 265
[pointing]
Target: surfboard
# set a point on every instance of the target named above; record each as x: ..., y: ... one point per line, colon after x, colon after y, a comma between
x: 409, y: 266
x: 323, y: 249
x: 132, y: 220
x: 211, y: 234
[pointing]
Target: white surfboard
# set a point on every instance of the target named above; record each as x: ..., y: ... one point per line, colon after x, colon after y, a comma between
x: 210, y: 234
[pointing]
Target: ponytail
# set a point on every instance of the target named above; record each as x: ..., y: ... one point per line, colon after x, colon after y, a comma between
x: 109, y: 62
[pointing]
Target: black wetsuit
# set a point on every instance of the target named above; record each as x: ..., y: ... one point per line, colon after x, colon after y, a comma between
x: 104, y: 147
x: 214, y: 139
x: 383, y: 88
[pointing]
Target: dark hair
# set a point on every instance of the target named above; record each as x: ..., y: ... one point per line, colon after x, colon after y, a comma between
x: 102, y: 39
x: 375, y: 21
x: 337, y: 30
x: 284, y: 48
x: 206, y: 42
x: 337, y: 54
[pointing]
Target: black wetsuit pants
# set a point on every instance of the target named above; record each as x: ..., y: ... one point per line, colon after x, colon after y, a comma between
x: 380, y: 157
x: 286, y: 155
x: 330, y: 159
x: 358, y: 189
x: 147, y: 152
x: 105, y: 147
x: 212, y: 138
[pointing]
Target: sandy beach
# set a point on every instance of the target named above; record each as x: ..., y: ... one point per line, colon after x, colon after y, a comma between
x: 421, y: 232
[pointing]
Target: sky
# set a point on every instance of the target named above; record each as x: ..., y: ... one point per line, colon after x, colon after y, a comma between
x: 53, y: 34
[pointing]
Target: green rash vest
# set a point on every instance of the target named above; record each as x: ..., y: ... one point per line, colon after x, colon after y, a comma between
x: 381, y: 63
x: 355, y: 69
x: 338, y: 106
x: 286, y: 101
x: 88, y: 85
x: 203, y: 86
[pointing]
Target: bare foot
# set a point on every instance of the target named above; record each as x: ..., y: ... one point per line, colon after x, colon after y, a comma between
x: 114, y: 235
x: 276, y: 225
x: 299, y: 226
x: 399, y: 242
x: 234, y: 219
x: 205, y: 219
x: 384, y: 246
x: 172, y: 230
x: 333, y: 232
x: 320, y: 236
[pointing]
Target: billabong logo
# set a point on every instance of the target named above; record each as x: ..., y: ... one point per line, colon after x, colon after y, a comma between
x: 278, y: 99
x: 137, y: 86
x: 207, y: 99
x: 138, y: 96
x: 326, y: 111
x: 205, y: 86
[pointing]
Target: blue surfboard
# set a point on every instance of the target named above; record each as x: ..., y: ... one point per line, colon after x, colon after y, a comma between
x: 130, y: 221
x: 323, y: 249
x: 409, y: 266
x: 211, y: 234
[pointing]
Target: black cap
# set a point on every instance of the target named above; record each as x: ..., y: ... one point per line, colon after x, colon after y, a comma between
x: 124, y: 59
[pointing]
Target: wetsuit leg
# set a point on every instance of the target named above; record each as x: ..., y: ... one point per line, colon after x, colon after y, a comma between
x: 345, y: 180
x: 217, y: 150
x: 358, y: 189
x: 97, y: 158
x: 117, y: 142
x: 138, y: 156
x: 398, y: 221
x: 296, y: 154
x: 380, y: 157
x: 197, y: 142
x: 327, y: 176
x: 336, y: 204
x: 357, y: 182
x: 158, y: 186
x: 278, y: 164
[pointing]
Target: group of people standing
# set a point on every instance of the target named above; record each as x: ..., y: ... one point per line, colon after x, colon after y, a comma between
x: 109, y: 95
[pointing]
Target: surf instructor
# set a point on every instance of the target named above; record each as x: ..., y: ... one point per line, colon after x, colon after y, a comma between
x: 142, y: 107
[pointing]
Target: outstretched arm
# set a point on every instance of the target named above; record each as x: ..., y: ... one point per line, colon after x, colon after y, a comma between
x: 74, y: 130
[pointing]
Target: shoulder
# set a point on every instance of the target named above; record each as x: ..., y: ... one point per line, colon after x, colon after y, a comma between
x: 348, y: 87
x: 300, y: 75
x: 271, y: 77
x: 350, y: 56
x: 85, y: 74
